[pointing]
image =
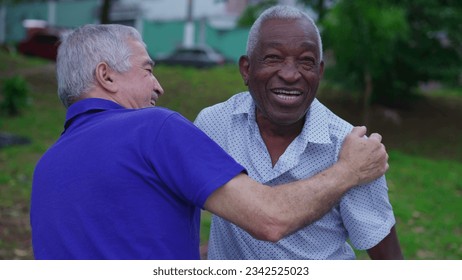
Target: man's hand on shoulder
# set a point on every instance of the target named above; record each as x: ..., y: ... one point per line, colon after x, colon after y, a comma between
x: 365, y: 158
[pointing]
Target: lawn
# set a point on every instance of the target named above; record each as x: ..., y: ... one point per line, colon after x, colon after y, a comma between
x: 425, y: 178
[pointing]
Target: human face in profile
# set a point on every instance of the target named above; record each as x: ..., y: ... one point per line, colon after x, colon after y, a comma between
x: 139, y: 87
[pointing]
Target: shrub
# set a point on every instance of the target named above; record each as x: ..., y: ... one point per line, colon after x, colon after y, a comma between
x: 15, y: 93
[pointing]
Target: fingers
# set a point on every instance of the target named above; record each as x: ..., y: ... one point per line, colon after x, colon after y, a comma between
x: 376, y: 136
x: 359, y: 131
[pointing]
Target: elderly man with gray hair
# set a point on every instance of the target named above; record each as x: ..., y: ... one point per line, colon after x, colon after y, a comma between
x: 127, y: 180
x: 281, y: 133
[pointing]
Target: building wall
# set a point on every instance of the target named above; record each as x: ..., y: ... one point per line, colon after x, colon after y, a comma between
x: 14, y: 30
x: 67, y: 14
x: 231, y: 43
x: 75, y: 13
x: 161, y: 37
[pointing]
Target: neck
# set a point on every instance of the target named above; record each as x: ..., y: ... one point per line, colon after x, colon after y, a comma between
x: 277, y: 137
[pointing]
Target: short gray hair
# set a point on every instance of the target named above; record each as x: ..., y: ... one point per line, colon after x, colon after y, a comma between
x: 82, y: 49
x: 278, y: 12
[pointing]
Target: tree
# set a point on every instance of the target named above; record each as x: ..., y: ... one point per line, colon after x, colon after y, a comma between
x: 252, y: 12
x: 105, y: 11
x: 433, y: 50
x: 320, y: 7
x: 363, y: 35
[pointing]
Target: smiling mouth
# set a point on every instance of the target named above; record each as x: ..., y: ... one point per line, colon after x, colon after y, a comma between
x: 287, y: 94
x: 154, y: 99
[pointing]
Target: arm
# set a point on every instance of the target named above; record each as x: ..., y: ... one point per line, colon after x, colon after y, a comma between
x: 272, y: 213
x: 387, y: 249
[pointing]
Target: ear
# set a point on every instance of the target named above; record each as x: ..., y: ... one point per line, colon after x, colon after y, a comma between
x: 105, y: 77
x: 244, y: 65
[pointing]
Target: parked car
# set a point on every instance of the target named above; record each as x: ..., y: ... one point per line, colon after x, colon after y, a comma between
x: 40, y: 44
x: 198, y: 56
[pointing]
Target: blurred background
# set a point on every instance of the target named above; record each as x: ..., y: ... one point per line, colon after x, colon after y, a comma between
x: 395, y: 66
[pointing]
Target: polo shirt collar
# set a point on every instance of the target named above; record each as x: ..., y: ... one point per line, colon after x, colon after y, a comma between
x: 86, y: 105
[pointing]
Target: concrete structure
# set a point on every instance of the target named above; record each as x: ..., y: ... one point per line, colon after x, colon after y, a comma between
x: 163, y: 23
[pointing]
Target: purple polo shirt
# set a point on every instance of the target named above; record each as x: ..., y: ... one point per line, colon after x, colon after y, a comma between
x: 124, y: 184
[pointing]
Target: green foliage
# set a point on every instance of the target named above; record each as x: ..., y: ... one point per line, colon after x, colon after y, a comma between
x: 433, y: 50
x: 362, y: 34
x: 15, y: 93
x: 252, y: 12
x: 319, y: 6
x: 403, y: 43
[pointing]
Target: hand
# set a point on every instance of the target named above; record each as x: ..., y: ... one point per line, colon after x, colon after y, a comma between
x: 366, y: 158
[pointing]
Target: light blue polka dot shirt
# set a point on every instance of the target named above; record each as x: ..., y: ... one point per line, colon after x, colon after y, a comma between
x: 362, y: 218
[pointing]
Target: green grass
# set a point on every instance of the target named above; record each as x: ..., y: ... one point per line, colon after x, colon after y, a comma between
x: 188, y: 90
x: 41, y: 123
x: 425, y: 178
x: 446, y: 92
x: 426, y: 197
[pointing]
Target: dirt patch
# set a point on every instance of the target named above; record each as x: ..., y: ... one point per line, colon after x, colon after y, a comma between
x: 15, y: 233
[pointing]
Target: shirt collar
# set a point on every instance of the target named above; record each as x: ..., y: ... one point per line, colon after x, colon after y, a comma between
x: 315, y: 129
x: 87, y: 105
x: 247, y: 107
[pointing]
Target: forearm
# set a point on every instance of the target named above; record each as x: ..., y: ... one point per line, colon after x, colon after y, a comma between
x: 270, y: 213
x: 387, y: 249
x: 298, y: 204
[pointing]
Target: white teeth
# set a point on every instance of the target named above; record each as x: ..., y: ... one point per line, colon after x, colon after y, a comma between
x: 288, y: 92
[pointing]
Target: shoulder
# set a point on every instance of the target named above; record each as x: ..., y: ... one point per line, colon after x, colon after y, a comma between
x: 153, y: 115
x: 222, y: 112
x: 324, y: 126
x: 153, y: 111
x: 337, y: 127
x: 152, y: 121
x: 230, y: 105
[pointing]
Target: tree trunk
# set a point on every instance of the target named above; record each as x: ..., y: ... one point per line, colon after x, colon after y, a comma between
x: 368, y: 87
x: 321, y: 10
x: 104, y: 12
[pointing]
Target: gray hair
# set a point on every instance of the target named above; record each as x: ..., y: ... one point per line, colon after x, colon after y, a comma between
x: 81, y: 51
x: 278, y: 12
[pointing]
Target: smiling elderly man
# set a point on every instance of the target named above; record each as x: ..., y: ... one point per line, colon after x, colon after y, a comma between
x: 281, y: 133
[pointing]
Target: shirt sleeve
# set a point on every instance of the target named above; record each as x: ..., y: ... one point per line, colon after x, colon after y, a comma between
x: 367, y: 214
x: 189, y: 162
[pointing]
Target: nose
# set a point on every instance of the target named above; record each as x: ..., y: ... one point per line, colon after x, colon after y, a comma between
x: 289, y: 71
x: 157, y: 87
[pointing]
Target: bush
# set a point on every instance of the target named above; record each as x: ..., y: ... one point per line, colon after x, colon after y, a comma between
x: 15, y: 96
